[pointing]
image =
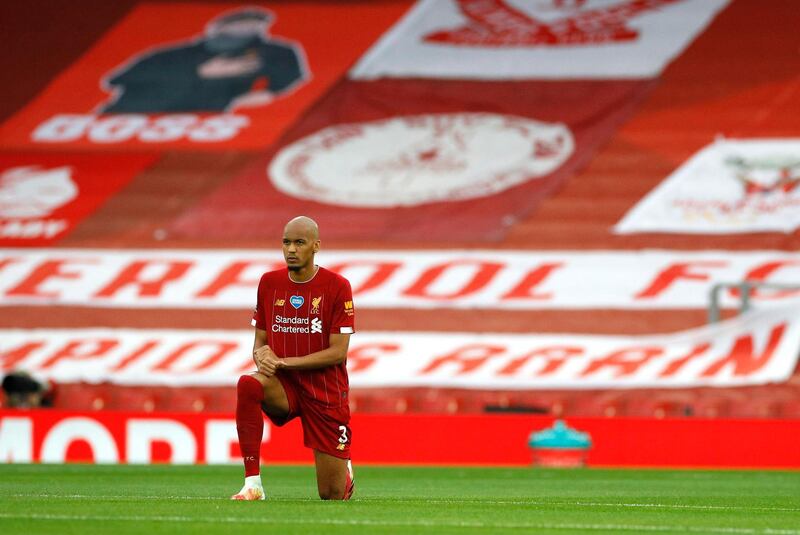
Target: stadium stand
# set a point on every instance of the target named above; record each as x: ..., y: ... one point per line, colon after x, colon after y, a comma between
x: 700, y: 96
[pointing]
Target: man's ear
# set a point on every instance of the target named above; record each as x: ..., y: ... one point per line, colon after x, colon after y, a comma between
x: 316, y: 246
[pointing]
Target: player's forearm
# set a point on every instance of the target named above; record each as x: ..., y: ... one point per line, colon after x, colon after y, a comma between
x: 260, y: 339
x: 321, y: 359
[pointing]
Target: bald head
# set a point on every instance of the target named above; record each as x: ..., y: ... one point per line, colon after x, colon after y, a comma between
x: 303, y: 225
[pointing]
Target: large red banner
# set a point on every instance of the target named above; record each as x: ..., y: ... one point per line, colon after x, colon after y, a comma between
x: 199, y: 75
x: 44, y: 196
x: 142, y: 438
x: 458, y: 121
x: 400, y: 159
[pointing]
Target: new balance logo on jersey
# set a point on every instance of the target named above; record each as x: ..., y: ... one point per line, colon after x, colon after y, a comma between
x: 316, y: 325
x: 280, y: 302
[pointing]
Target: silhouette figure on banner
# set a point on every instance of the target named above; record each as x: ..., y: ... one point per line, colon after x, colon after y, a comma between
x: 234, y: 64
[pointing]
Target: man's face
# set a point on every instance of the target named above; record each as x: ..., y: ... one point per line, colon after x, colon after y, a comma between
x: 234, y: 36
x: 299, y: 247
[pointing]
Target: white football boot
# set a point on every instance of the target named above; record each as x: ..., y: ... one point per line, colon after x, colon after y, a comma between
x: 252, y: 490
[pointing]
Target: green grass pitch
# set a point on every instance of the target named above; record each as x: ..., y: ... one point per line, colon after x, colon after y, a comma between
x: 84, y: 499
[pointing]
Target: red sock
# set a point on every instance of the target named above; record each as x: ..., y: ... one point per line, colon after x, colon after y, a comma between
x: 250, y: 422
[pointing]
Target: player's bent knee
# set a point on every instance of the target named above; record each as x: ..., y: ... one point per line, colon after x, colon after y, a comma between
x: 331, y: 493
x: 258, y: 376
x: 249, y: 387
x: 331, y: 490
x: 275, y: 400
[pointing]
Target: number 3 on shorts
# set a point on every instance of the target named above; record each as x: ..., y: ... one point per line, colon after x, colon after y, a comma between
x: 343, y: 438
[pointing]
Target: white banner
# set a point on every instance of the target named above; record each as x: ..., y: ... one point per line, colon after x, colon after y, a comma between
x: 515, y: 280
x: 730, y: 186
x: 537, y: 39
x: 46, y: 436
x: 757, y: 348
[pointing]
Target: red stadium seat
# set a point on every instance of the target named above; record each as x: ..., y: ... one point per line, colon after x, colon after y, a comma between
x: 190, y: 399
x: 223, y: 400
x: 540, y: 402
x: 711, y: 406
x: 469, y: 402
x: 756, y: 407
x: 139, y: 399
x: 389, y: 402
x: 494, y: 400
x: 84, y: 397
x: 661, y: 405
x: 790, y: 409
x: 607, y: 404
x: 434, y: 401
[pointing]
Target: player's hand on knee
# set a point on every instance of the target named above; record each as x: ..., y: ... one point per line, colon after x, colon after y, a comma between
x: 267, y: 368
x: 260, y: 354
x: 267, y: 361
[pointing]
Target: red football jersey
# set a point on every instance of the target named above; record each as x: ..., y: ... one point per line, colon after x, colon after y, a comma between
x: 299, y: 319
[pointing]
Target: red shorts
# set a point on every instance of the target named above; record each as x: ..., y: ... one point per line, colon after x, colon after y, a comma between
x: 325, y: 428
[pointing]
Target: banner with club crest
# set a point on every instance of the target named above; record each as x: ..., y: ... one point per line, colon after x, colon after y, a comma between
x: 730, y: 186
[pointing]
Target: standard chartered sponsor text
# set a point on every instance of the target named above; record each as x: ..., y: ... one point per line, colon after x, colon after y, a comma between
x: 295, y: 325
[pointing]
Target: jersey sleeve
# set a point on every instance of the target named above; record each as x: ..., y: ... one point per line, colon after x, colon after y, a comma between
x: 344, y: 314
x: 259, y: 320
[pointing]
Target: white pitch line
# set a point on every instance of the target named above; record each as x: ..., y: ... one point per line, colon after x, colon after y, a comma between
x: 686, y: 506
x: 113, y: 497
x: 413, y: 523
x: 617, y: 504
x: 437, y: 501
